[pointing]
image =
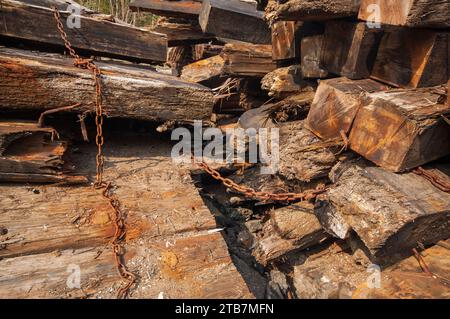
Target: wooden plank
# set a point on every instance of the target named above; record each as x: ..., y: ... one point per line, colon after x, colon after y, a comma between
x: 97, y: 36
x: 349, y: 49
x: 299, y: 159
x: 402, y: 209
x: 188, y: 9
x: 410, y: 13
x: 406, y: 128
x: 335, y: 105
x: 412, y: 58
x: 206, y: 71
x: 247, y: 60
x: 311, y: 51
x: 289, y: 229
x: 310, y: 10
x: 286, y: 81
x: 224, y: 18
x: 53, y: 81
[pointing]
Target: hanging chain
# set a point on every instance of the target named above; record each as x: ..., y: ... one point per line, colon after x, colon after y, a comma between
x: 434, y: 179
x: 251, y: 193
x: 119, y: 219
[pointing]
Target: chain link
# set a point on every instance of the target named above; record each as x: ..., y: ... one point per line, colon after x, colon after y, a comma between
x: 433, y: 178
x: 119, y: 218
x: 251, y: 193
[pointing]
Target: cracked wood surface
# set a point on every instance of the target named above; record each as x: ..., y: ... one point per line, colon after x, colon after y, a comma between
x: 38, y: 81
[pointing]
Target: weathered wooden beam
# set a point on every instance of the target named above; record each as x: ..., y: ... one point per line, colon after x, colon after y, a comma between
x: 36, y: 81
x: 285, y: 40
x: 206, y: 71
x: 189, y: 9
x: 182, y: 34
x: 311, y: 10
x: 102, y: 37
x: 286, y: 81
x: 311, y: 51
x: 412, y: 58
x: 28, y: 153
x: 406, y: 128
x: 410, y: 13
x: 390, y: 212
x: 247, y: 60
x: 289, y: 229
x: 224, y: 18
x: 335, y: 105
x: 302, y: 155
x: 349, y: 48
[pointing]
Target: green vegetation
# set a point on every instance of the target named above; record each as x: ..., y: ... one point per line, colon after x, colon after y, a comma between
x: 120, y: 9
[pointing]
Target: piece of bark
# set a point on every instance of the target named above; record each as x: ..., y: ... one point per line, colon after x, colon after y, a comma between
x: 247, y: 60
x: 188, y: 9
x: 179, y: 34
x: 311, y: 10
x: 224, y: 19
x: 286, y: 81
x: 102, y: 37
x: 299, y: 158
x: 206, y: 72
x: 391, y: 213
x: 409, y: 13
x: 285, y: 40
x: 407, y: 128
x: 349, y: 48
x: 28, y: 153
x: 412, y: 58
x: 335, y: 273
x: 288, y: 229
x: 53, y: 81
x: 312, y: 49
x: 335, y: 105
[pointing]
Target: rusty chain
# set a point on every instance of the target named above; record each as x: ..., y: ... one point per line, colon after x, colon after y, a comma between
x: 251, y: 193
x: 433, y: 179
x: 119, y: 218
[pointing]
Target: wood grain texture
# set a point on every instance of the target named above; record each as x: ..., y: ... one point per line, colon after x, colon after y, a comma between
x: 412, y: 58
x: 402, y: 209
x: 335, y: 105
x: 36, y: 81
x: 349, y: 49
x: 247, y: 60
x: 402, y: 129
x: 288, y: 229
x: 297, y: 162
